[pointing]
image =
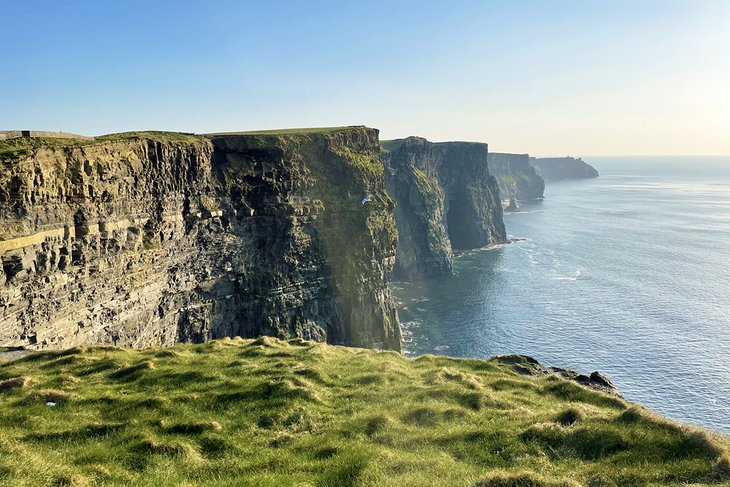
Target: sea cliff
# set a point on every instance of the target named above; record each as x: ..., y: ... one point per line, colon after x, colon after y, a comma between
x: 155, y: 238
x: 559, y: 168
x: 516, y: 177
x: 446, y: 199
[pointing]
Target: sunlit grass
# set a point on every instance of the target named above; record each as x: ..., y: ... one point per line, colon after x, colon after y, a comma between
x: 289, y: 131
x: 268, y: 413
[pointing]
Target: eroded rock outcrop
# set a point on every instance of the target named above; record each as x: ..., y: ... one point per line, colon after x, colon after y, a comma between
x: 523, y: 364
x: 447, y: 199
x: 559, y: 168
x: 155, y: 238
x: 516, y: 177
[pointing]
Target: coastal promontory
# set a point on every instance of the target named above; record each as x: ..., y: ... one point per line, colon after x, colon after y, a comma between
x: 559, y: 168
x: 516, y: 176
x: 153, y: 238
x: 447, y: 199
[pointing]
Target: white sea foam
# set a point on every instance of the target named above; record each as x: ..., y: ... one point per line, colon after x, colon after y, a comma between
x: 411, y: 323
x: 574, y: 277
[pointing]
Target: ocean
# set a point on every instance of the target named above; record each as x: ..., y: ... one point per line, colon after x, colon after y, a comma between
x: 627, y: 274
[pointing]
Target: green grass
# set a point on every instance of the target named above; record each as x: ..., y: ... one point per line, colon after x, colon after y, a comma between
x: 14, y: 148
x: 156, y: 135
x: 291, y: 131
x: 18, y: 147
x: 391, y: 145
x: 273, y: 413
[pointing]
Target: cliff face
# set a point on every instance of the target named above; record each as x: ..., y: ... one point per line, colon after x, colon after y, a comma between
x: 516, y: 177
x: 159, y: 238
x: 559, y: 168
x: 424, y: 249
x: 446, y: 199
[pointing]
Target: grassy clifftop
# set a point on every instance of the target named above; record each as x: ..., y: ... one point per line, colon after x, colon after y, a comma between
x: 270, y: 412
x: 18, y: 147
x: 292, y: 131
x: 13, y: 149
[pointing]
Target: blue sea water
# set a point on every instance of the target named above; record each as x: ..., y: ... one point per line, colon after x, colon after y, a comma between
x: 628, y: 274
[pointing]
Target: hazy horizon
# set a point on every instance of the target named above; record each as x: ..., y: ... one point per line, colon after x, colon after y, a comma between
x: 565, y: 78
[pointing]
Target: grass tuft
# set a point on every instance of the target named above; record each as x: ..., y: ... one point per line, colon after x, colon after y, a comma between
x: 570, y: 416
x: 520, y: 479
x: 166, y: 353
x: 75, y: 480
x: 193, y: 428
x: 129, y: 373
x: 10, y: 385
x: 48, y: 395
x: 423, y: 416
x: 721, y: 470
x: 376, y: 424
x: 171, y: 448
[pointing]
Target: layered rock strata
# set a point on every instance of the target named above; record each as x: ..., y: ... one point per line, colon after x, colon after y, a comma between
x: 446, y: 199
x: 155, y: 238
x: 516, y: 177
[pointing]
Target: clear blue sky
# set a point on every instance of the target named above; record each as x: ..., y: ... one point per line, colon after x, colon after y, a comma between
x: 547, y: 77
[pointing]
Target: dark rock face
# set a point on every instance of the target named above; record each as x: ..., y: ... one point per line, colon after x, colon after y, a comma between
x: 516, y: 177
x: 424, y: 249
x: 446, y: 199
x: 511, y: 206
x: 153, y: 240
x: 559, y: 168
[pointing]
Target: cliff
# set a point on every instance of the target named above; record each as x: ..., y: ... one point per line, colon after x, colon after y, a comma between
x: 269, y: 412
x: 559, y: 168
x: 155, y: 238
x: 424, y: 248
x: 516, y: 177
x: 446, y: 199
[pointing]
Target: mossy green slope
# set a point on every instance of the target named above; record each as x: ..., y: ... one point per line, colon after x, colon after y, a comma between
x: 270, y: 412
